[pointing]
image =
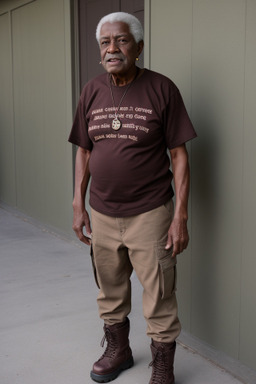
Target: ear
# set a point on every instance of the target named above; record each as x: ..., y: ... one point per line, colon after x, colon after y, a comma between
x: 140, y: 46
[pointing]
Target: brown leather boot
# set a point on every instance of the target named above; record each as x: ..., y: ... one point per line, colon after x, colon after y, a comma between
x: 162, y: 362
x: 117, y: 356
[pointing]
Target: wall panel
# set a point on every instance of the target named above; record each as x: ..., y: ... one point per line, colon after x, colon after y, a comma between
x: 208, y: 48
x: 248, y: 266
x: 218, y: 83
x: 170, y: 54
x: 7, y: 148
x: 29, y: 107
x: 42, y: 109
x: 171, y: 42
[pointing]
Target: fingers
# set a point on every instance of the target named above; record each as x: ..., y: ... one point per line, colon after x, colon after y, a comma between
x: 81, y: 220
x: 84, y: 239
x: 169, y: 243
x: 88, y: 227
x: 179, y: 246
x: 175, y: 245
x: 177, y: 238
x: 80, y: 234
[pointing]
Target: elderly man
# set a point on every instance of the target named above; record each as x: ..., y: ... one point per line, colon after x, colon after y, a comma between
x: 126, y: 120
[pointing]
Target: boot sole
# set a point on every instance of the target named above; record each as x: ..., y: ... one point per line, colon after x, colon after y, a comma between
x: 112, y: 376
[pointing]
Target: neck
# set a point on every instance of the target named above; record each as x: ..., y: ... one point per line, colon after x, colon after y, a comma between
x: 121, y: 80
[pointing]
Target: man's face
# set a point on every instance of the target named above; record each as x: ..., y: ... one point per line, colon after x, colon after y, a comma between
x: 118, y: 48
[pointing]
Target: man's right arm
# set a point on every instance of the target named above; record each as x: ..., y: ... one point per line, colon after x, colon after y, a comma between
x: 82, y: 176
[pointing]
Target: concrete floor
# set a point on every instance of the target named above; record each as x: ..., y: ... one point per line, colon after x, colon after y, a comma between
x: 50, y: 332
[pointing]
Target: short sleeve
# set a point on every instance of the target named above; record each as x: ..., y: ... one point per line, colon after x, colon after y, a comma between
x: 79, y: 132
x: 177, y: 124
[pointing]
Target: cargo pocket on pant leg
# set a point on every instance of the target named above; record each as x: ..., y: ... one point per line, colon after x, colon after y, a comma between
x: 167, y: 271
x: 94, y: 268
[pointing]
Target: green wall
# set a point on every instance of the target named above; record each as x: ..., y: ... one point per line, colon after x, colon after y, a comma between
x: 36, y: 109
x: 208, y: 49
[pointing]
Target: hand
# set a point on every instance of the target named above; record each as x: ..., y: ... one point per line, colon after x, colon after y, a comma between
x: 80, y: 220
x: 177, y: 236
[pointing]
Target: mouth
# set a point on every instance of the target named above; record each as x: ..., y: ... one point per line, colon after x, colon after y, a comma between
x: 114, y: 60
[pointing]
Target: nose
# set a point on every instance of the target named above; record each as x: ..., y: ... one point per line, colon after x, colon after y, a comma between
x: 113, y: 46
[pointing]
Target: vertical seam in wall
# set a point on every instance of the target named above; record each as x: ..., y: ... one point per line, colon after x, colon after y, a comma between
x: 13, y: 104
x: 242, y: 182
x: 75, y: 67
x: 72, y: 80
x: 65, y: 54
x: 191, y: 151
x: 86, y: 42
x: 64, y: 6
x: 149, y: 35
x: 75, y: 51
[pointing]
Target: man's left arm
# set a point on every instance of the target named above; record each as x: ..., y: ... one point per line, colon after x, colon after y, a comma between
x: 178, y: 233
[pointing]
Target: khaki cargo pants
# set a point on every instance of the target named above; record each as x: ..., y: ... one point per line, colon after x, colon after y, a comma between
x: 121, y: 245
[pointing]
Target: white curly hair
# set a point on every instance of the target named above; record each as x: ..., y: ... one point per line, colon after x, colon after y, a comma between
x: 134, y: 24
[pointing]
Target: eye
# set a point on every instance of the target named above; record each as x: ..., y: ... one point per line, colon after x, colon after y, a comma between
x: 122, y: 40
x: 104, y: 42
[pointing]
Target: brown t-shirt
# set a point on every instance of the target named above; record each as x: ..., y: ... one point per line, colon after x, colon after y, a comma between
x: 130, y: 167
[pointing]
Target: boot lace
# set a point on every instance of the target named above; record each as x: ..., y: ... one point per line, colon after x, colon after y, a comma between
x: 159, y: 368
x: 110, y: 350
